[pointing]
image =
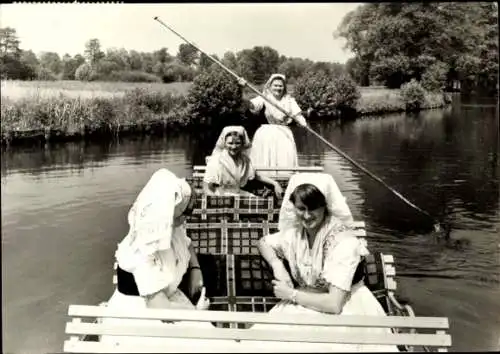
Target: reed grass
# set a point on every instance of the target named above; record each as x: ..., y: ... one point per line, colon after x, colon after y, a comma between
x: 74, y: 108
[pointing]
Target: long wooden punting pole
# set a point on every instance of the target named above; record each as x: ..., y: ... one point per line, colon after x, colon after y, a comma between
x: 437, y: 226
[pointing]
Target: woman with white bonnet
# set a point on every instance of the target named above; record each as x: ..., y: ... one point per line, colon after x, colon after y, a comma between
x: 323, y: 254
x: 273, y: 144
x: 156, y: 253
x: 229, y: 168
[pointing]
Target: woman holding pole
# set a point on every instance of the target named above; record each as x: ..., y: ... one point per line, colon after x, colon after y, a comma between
x: 273, y: 144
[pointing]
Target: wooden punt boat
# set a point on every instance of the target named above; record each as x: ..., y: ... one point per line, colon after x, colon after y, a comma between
x: 224, y: 231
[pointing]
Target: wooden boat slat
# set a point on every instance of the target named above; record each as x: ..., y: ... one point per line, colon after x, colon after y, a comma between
x: 269, y: 334
x: 273, y: 169
x: 223, y: 316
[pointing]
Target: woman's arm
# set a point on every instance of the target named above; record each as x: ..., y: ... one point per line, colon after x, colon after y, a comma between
x: 195, y: 274
x: 269, y: 254
x: 331, y: 302
x: 269, y: 181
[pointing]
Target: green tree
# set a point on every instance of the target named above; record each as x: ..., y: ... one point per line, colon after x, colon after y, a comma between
x: 30, y: 63
x: 229, y: 60
x: 400, y: 41
x: 11, y: 66
x: 187, y: 54
x: 93, y: 52
x: 258, y: 63
x: 205, y: 62
x: 69, y: 66
x: 51, y: 61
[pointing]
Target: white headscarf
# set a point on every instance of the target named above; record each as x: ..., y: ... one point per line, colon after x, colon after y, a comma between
x: 152, y: 217
x: 335, y: 201
x: 220, y: 145
x: 269, y: 82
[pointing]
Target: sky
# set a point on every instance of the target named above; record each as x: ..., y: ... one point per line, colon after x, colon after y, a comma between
x: 302, y: 30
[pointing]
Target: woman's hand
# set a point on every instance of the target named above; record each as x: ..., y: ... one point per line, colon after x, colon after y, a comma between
x: 278, y: 190
x: 242, y: 82
x: 282, y: 290
x: 203, y: 303
x: 195, y: 281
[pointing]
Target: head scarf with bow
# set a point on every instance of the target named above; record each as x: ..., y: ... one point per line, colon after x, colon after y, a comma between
x: 152, y: 217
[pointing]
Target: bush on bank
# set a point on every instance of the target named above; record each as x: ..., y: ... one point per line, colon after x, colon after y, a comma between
x: 214, y: 98
x: 327, y: 96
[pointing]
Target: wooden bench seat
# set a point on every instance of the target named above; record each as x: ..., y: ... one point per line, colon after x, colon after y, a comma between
x: 286, y: 172
x: 427, y: 331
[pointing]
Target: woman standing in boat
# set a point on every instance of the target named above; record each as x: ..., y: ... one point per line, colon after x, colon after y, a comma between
x: 229, y: 168
x: 273, y: 144
x: 323, y: 254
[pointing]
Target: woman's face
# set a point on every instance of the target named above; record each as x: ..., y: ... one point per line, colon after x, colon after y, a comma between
x: 277, y: 88
x: 310, y: 219
x: 233, y: 145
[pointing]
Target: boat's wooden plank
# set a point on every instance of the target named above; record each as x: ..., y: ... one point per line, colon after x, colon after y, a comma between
x: 310, y: 335
x: 388, y: 258
x: 359, y: 233
x: 223, y: 316
x: 280, y: 169
x: 206, y: 346
x: 248, y: 225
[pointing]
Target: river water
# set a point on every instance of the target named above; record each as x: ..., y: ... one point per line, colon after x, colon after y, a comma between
x: 64, y: 210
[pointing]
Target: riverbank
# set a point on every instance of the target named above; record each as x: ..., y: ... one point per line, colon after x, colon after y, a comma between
x: 68, y: 110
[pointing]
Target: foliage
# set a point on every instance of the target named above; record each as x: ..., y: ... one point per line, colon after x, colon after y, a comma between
x: 401, y: 41
x: 93, y: 53
x: 413, y: 95
x: 326, y: 95
x: 187, y: 54
x: 85, y: 72
x: 434, y: 77
x: 45, y: 74
x: 137, y: 109
x: 359, y: 70
x: 258, y: 63
x: 214, y: 98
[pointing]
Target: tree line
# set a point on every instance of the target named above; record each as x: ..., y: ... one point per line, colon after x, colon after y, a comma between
x: 432, y: 42
x: 436, y: 44
x: 113, y: 64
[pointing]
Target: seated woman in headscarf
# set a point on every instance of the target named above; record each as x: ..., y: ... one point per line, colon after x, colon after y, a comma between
x: 156, y: 253
x: 273, y: 144
x: 323, y: 254
x: 229, y: 169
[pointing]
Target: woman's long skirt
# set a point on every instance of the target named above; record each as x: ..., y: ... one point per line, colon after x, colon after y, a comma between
x: 274, y: 146
x: 360, y: 302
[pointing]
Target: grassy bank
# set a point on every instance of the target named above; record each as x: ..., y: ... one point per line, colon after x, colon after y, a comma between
x: 376, y: 100
x: 69, y: 109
